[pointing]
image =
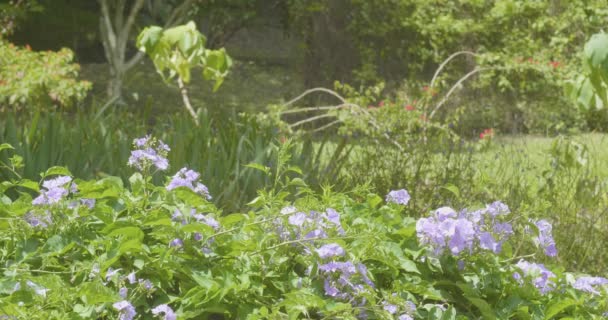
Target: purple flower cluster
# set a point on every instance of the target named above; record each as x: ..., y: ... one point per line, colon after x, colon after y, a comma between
x: 149, y: 152
x: 178, y: 216
x: 89, y: 203
x: 344, y: 280
x: 189, y: 179
x: 165, y: 311
x: 588, y: 284
x: 39, y: 220
x: 330, y: 250
x: 539, y: 275
x: 545, y: 238
x: 309, y: 225
x: 54, y: 190
x: 176, y: 243
x: 398, y: 196
x: 125, y: 309
x: 406, y: 314
x: 457, y: 232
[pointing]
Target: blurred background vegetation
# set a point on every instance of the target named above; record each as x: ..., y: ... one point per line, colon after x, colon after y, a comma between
x: 543, y: 155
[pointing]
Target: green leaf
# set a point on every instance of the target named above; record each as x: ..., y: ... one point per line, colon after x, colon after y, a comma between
x: 128, y: 233
x: 56, y: 171
x: 258, y: 166
x: 6, y: 146
x: 558, y: 306
x: 452, y: 189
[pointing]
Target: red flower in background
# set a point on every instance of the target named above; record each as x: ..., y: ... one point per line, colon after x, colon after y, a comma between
x: 409, y: 107
x: 381, y: 104
x: 489, y: 133
x: 555, y: 64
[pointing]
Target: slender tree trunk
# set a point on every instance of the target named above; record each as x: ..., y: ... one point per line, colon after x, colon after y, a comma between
x: 116, y: 23
x: 184, y: 91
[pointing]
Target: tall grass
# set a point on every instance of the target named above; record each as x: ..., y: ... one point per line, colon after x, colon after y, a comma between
x: 98, y: 146
x: 98, y: 143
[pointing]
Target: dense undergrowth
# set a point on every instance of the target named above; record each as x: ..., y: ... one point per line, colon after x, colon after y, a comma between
x: 101, y: 249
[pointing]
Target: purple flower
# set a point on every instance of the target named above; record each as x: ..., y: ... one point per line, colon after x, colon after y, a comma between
x: 497, y: 208
x: 125, y: 309
x: 330, y: 290
x: 398, y: 196
x: 445, y: 229
x: 176, y: 243
x: 147, y: 284
x: 410, y: 307
x: 110, y: 273
x: 177, y: 216
x: 123, y: 292
x: 587, y: 284
x: 390, y: 308
x: 316, y: 234
x: 347, y: 268
x: 58, y: 182
x: 131, y: 278
x: 166, y: 310
x: 503, y: 229
x: 461, y: 264
x: 297, y: 219
x: 149, y: 152
x: 487, y: 241
x: 89, y: 203
x: 42, y: 221
x: 539, y: 274
x: 141, y: 142
x: 207, y: 220
x: 330, y: 250
x: 53, y: 190
x: 363, y: 272
x: 189, y: 179
x: 198, y: 236
x: 545, y: 238
x: 444, y: 213
x: 462, y: 237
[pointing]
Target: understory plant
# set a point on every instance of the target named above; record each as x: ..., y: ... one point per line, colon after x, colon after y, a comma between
x: 109, y: 248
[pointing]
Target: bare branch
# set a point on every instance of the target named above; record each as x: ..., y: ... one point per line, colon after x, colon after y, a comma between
x: 134, y: 60
x: 177, y: 16
x: 126, y: 30
x: 445, y: 62
x: 311, y: 119
x: 184, y: 92
x: 455, y: 86
x: 109, y: 29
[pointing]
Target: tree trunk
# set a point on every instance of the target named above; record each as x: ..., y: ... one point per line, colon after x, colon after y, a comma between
x: 115, y: 26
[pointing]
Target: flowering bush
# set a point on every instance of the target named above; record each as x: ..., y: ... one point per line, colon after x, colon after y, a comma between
x: 32, y: 80
x: 99, y: 249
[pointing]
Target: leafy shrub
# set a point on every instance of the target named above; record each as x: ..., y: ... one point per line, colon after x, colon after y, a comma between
x: 35, y: 81
x: 98, y: 249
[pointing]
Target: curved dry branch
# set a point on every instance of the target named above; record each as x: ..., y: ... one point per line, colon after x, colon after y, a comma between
x: 313, y: 90
x: 455, y: 86
x: 311, y: 119
x: 446, y: 61
x: 311, y: 109
x: 326, y: 126
x: 354, y: 107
